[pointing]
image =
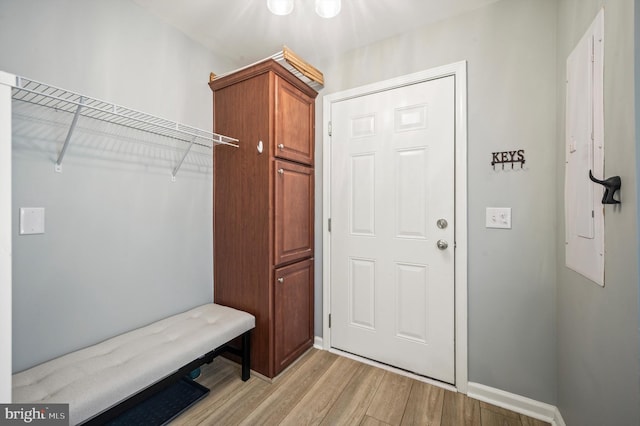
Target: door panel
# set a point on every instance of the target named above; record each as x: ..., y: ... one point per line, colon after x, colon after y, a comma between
x: 293, y: 142
x: 411, y: 190
x: 293, y: 312
x: 412, y: 303
x: 362, y: 293
x: 392, y: 179
x: 363, y: 190
x: 294, y: 192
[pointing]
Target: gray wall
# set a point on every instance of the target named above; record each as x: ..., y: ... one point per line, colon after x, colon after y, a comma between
x: 124, y: 245
x: 637, y: 129
x: 510, y: 49
x: 598, y: 370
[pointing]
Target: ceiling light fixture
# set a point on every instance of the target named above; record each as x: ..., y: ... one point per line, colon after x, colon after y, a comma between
x: 324, y: 8
x: 328, y: 8
x: 280, y: 7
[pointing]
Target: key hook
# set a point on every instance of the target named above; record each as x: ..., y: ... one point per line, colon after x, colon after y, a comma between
x: 611, y: 185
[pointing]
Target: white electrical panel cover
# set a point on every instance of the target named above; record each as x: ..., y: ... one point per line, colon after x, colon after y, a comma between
x: 584, y: 214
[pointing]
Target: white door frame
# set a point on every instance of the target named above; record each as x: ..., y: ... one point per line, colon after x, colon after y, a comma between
x: 459, y: 71
x: 7, y: 81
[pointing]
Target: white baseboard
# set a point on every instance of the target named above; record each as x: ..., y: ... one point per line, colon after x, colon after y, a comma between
x: 519, y: 404
x: 557, y: 419
x: 318, y: 343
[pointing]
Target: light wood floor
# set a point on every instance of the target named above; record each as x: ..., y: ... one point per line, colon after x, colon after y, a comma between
x: 327, y: 389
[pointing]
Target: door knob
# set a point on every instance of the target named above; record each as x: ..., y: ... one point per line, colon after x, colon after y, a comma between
x: 442, y: 244
x: 281, y: 171
x: 281, y: 146
x: 280, y: 280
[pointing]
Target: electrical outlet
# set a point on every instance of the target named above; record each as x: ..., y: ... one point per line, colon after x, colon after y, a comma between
x: 498, y: 217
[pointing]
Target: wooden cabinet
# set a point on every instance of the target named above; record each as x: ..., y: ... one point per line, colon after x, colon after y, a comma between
x: 294, y: 311
x: 293, y: 143
x: 263, y: 213
x: 293, y: 212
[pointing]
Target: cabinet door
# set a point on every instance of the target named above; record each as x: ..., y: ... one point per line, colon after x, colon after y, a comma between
x: 293, y: 299
x: 293, y: 212
x: 294, y: 124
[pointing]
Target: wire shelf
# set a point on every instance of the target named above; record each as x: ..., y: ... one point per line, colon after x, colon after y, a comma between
x: 41, y: 94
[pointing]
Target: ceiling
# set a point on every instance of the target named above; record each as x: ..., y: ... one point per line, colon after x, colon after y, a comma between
x: 244, y: 31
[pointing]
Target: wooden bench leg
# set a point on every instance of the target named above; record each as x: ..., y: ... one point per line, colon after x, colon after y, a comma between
x: 246, y: 356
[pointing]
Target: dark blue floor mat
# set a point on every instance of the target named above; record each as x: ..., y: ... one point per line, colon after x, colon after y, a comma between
x: 166, y: 405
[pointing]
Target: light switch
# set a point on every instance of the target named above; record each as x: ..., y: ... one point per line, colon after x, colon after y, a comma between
x: 499, y: 217
x: 31, y: 220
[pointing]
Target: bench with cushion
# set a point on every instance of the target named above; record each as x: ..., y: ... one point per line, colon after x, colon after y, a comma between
x: 103, y: 380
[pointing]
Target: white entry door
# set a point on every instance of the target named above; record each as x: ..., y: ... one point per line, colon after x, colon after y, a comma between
x: 392, y: 220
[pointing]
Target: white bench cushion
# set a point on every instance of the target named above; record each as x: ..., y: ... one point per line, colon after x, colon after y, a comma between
x: 93, y: 379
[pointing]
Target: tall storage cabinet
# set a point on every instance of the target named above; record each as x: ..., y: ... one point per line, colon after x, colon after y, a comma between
x: 264, y: 208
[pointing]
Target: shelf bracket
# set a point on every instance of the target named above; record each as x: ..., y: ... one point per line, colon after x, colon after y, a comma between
x: 175, y: 170
x: 76, y: 115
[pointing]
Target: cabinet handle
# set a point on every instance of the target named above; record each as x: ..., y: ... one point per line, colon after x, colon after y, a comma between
x: 280, y: 280
x: 281, y: 146
x: 281, y: 171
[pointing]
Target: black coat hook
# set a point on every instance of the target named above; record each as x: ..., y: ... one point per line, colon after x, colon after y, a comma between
x: 611, y: 185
